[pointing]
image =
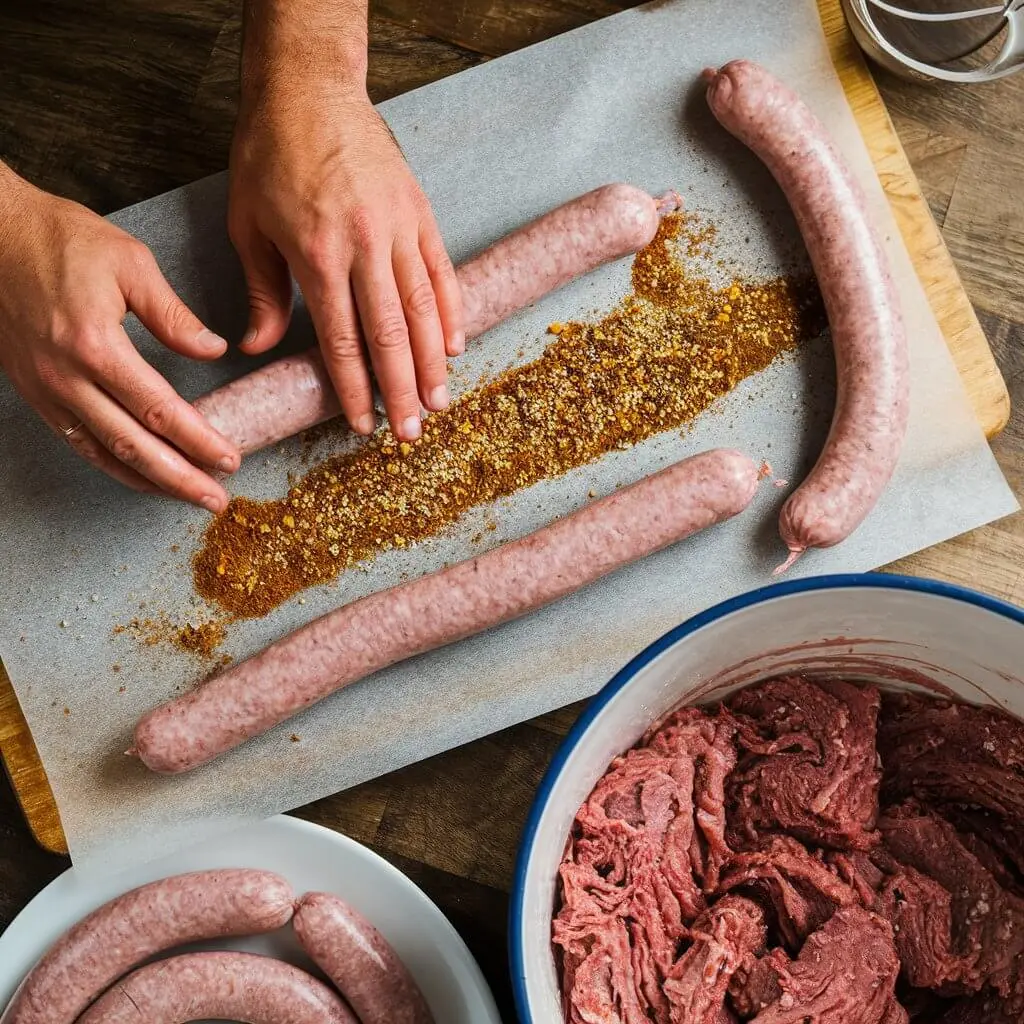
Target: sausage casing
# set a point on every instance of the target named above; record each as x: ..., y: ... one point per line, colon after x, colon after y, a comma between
x: 864, y: 313
x: 510, y: 581
x: 141, y: 923
x: 219, y: 986
x: 359, y: 960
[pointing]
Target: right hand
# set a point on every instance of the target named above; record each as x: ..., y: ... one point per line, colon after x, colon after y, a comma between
x: 68, y: 278
x: 320, y: 191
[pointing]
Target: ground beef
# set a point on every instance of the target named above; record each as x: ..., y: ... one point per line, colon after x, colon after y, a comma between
x: 860, y: 871
x: 722, y: 938
x: 997, y: 843
x: 755, y: 985
x: 643, y: 845
x: 939, y: 752
x: 984, y: 1008
x: 846, y: 972
x: 798, y: 857
x: 808, y: 765
x: 965, y: 761
x: 985, y: 923
x: 802, y: 891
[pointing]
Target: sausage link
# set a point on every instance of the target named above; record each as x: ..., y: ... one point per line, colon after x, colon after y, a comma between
x: 606, y: 224
x: 293, y: 394
x: 141, y: 923
x: 219, y: 986
x: 868, y: 335
x: 359, y: 960
x: 368, y: 635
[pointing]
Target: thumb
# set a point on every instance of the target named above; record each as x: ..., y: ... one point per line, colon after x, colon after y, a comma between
x: 149, y: 296
x: 270, y: 293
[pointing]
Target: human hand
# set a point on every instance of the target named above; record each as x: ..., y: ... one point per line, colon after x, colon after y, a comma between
x: 320, y: 191
x: 67, y: 280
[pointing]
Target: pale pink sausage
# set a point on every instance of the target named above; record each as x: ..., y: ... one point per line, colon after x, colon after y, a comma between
x: 359, y: 960
x: 141, y: 923
x: 510, y: 581
x: 293, y: 394
x: 872, y: 368
x: 219, y: 986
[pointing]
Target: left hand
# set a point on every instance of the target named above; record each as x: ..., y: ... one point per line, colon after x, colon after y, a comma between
x: 320, y: 188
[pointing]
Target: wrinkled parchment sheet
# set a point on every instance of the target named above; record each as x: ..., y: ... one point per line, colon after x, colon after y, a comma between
x: 493, y: 147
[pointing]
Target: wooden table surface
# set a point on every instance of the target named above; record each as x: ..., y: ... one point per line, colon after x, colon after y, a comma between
x: 110, y: 103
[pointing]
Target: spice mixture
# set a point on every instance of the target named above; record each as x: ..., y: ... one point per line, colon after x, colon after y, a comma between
x: 661, y: 357
x: 202, y: 640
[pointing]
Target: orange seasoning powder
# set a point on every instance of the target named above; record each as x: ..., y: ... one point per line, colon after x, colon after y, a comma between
x: 659, y: 359
x: 202, y: 640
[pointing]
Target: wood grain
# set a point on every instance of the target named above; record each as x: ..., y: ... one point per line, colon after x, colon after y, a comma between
x: 25, y: 771
x: 494, y: 29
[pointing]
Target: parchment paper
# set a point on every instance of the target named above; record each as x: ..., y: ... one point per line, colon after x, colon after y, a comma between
x: 493, y: 147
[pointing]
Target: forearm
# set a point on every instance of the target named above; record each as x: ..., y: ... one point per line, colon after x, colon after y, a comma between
x: 284, y: 40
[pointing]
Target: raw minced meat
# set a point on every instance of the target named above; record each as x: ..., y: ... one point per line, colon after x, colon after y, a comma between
x: 808, y: 766
x: 800, y: 854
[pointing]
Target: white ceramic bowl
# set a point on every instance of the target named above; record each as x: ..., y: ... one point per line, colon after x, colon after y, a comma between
x: 897, y: 631
x: 311, y: 858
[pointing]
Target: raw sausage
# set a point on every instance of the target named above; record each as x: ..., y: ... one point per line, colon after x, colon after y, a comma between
x: 359, y: 960
x: 519, y: 577
x: 872, y: 369
x: 358, y: 639
x: 219, y: 986
x: 141, y: 923
x: 296, y: 393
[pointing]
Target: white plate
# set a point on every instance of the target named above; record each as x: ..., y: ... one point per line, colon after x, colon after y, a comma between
x: 311, y: 858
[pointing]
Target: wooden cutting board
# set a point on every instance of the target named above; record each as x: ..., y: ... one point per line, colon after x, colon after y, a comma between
x: 934, y: 265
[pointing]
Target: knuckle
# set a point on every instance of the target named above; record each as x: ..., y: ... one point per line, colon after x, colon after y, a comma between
x: 84, y: 445
x: 51, y: 378
x: 363, y: 228
x: 320, y: 250
x: 442, y: 264
x: 342, y: 342
x: 138, y: 256
x: 390, y: 334
x: 261, y: 299
x: 160, y: 415
x: 421, y: 302
x: 175, y: 316
x: 124, y: 449
x: 89, y: 345
x: 402, y: 403
x: 356, y: 398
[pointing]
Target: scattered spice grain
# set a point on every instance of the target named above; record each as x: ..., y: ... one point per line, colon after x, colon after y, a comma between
x: 665, y: 354
x: 202, y: 640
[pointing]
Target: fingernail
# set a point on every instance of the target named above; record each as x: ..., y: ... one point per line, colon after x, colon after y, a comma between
x: 227, y: 464
x: 439, y: 398
x: 208, y: 340
x: 211, y: 504
x: 249, y: 337
x: 365, y: 424
x: 458, y: 343
x: 411, y: 428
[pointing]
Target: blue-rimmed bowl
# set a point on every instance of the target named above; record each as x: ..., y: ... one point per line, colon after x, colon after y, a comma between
x: 900, y: 632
